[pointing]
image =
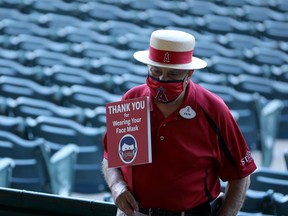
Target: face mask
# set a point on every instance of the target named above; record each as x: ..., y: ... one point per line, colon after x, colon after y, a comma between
x: 165, y: 91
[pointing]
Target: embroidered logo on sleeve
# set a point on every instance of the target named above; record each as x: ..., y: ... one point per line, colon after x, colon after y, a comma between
x: 247, y: 159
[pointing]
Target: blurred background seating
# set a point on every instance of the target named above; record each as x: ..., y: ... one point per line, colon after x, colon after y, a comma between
x: 35, y: 169
x: 61, y: 61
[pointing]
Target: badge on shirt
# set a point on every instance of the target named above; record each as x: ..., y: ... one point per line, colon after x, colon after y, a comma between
x: 187, y: 112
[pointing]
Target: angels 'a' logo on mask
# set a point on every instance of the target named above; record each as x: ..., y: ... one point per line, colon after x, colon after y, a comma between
x: 161, y: 96
x: 127, y: 148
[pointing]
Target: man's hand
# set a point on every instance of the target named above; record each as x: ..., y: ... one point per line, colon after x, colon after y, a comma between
x: 125, y: 201
x: 123, y: 198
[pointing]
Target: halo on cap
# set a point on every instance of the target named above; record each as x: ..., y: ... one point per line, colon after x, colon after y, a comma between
x: 171, y: 49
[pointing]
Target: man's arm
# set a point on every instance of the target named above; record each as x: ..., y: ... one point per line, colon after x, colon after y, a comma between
x: 234, y: 196
x: 123, y: 198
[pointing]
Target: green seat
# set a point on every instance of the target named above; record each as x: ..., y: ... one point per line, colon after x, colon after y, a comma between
x: 259, y: 203
x: 264, y: 179
x: 36, y: 168
x: 268, y: 120
x: 60, y: 168
x: 6, y: 166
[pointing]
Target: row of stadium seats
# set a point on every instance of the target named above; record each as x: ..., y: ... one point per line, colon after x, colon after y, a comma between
x: 55, y: 133
x: 31, y: 166
x: 248, y: 108
x: 41, y: 61
x: 267, y: 193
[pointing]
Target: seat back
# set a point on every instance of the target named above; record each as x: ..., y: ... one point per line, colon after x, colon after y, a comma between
x: 61, y: 168
x: 59, y: 132
x: 269, y: 123
x: 6, y: 166
x: 259, y: 202
x: 264, y: 179
x: 30, y: 171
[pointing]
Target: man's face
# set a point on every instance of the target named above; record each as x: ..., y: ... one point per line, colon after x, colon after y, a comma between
x: 168, y: 74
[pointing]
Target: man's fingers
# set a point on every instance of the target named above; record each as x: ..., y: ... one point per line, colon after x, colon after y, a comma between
x: 132, y: 202
x: 127, y: 203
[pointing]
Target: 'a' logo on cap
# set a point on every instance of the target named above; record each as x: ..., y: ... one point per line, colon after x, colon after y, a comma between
x: 166, y: 57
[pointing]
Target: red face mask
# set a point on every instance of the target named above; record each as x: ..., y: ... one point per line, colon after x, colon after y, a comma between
x: 165, y: 91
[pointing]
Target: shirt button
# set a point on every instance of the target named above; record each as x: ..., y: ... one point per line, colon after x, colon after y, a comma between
x: 161, y: 137
x: 164, y: 125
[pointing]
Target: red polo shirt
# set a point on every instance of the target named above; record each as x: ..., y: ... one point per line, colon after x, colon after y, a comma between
x: 191, y: 149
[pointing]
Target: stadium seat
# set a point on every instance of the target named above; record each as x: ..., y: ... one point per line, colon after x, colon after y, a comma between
x: 101, y: 11
x: 62, y: 75
x: 259, y: 203
x: 12, y: 27
x: 142, y: 5
x: 28, y: 107
x: 265, y: 55
x: 33, y: 42
x: 217, y: 24
x: 95, y: 117
x: 59, y: 132
x: 17, y: 27
x: 246, y: 107
x: 118, y: 67
x: 74, y: 34
x: 13, y: 55
x: 96, y: 51
x: 57, y: 7
x: 87, y: 97
x: 6, y: 168
x: 207, y: 49
x: 11, y: 13
x: 251, y: 84
x: 270, y: 89
x: 280, y: 89
x: 160, y: 18
x: 280, y: 5
x: 12, y: 87
x: 244, y: 41
x: 126, y: 81
x: 60, y: 168
x: 212, y: 78
x: 15, y: 125
x: 56, y: 20
x: 264, y: 179
x: 132, y: 41
x: 260, y: 14
x: 231, y: 66
x: 281, y: 204
x: 14, y: 69
x: 269, y: 115
x: 201, y: 8
x: 118, y: 28
x: 280, y: 73
x: 275, y: 30
x: 46, y: 58
x: 34, y: 169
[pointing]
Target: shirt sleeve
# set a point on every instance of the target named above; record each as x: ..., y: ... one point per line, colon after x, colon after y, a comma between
x: 237, y: 159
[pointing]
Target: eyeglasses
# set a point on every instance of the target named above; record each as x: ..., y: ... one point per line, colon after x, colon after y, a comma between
x: 167, y: 73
